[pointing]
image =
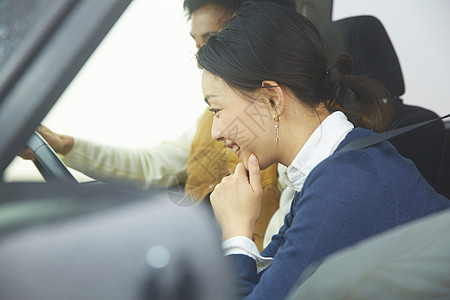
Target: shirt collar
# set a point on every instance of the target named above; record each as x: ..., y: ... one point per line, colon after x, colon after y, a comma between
x: 321, y: 144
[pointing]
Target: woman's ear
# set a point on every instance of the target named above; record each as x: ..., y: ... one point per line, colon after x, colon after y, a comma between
x: 277, y: 95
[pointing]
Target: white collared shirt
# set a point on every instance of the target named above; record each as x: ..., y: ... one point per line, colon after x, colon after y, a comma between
x: 320, y: 145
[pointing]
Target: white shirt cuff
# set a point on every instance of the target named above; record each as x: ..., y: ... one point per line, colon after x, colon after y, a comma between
x: 244, y: 245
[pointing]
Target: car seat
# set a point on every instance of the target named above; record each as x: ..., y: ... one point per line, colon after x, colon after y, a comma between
x: 366, y: 40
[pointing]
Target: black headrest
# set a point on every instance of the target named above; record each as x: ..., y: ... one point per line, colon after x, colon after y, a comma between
x: 366, y: 40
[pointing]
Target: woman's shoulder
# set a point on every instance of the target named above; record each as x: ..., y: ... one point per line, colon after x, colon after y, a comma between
x: 381, y: 155
x: 362, y: 169
x: 375, y: 170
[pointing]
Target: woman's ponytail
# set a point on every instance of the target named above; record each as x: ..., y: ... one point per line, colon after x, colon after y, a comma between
x: 366, y: 102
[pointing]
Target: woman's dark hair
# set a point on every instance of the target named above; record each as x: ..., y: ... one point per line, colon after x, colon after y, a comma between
x: 265, y: 41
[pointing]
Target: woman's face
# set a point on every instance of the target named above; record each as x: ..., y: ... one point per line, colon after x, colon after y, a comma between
x: 246, y: 125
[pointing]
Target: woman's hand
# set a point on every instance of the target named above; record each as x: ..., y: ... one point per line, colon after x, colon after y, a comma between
x: 237, y: 200
x: 62, y: 144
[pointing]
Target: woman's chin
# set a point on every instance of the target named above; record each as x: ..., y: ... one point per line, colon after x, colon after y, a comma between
x: 245, y: 156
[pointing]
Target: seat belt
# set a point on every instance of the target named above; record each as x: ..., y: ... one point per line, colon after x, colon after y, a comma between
x: 379, y: 137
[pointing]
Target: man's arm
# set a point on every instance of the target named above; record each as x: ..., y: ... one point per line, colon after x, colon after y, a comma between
x: 162, y: 165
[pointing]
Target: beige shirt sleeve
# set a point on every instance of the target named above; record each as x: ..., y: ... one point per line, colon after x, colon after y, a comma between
x: 160, y: 166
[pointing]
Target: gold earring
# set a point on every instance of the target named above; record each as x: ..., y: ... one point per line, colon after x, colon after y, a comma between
x: 276, y: 118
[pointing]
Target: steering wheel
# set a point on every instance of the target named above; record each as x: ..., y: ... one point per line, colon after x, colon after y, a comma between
x: 47, y: 161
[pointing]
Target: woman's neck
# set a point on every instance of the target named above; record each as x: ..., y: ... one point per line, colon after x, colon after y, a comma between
x: 296, y: 127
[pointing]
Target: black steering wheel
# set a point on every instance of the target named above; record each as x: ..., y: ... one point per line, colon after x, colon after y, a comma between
x: 47, y: 161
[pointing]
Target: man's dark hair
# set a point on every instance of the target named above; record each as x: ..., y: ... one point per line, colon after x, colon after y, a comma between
x: 192, y: 5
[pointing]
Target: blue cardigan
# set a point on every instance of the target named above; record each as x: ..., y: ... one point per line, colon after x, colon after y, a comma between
x: 349, y: 196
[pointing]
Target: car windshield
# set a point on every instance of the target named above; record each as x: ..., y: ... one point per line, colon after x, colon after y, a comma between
x: 140, y: 86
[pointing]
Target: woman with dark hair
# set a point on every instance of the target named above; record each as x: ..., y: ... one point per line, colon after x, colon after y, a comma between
x: 278, y: 99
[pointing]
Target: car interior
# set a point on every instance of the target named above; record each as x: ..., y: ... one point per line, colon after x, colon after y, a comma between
x: 409, y: 247
x: 67, y: 240
x: 57, y: 239
x: 366, y: 40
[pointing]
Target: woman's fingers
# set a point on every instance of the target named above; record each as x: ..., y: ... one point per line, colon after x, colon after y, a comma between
x: 254, y: 173
x: 240, y: 170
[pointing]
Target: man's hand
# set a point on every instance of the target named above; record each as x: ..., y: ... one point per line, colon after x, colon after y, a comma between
x: 237, y: 200
x: 62, y: 144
